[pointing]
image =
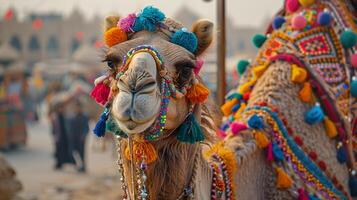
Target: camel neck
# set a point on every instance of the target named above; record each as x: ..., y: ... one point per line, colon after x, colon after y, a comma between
x: 173, y: 171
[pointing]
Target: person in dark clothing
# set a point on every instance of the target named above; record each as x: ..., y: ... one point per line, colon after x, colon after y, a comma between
x: 62, y: 153
x: 78, y: 128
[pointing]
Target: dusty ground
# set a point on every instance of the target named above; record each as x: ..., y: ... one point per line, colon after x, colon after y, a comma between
x: 34, y: 166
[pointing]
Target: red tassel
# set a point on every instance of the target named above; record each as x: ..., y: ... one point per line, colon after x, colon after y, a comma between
x: 100, y: 93
x: 269, y: 152
x: 302, y: 194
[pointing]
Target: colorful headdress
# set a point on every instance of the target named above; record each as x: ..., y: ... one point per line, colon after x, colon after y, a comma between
x: 149, y: 19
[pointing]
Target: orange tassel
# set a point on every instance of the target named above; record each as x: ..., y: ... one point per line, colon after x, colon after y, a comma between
x: 114, y: 36
x: 283, y: 179
x: 305, y: 93
x: 142, y: 150
x: 198, y: 93
x: 227, y: 107
x: 330, y: 127
x: 261, y: 139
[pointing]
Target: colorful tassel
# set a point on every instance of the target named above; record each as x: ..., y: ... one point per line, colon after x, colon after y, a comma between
x: 190, y: 131
x: 99, y: 129
x: 227, y: 107
x: 100, y: 93
x: 142, y: 150
x: 314, y: 115
x: 283, y: 179
x: 269, y: 152
x: 353, y: 88
x: 242, y: 66
x: 298, y: 74
x: 330, y: 127
x: 247, y: 86
x: 277, y: 152
x: 237, y: 127
x: 302, y: 194
x: 114, y: 36
x: 112, y: 126
x: 255, y: 122
x: 198, y: 93
x: 258, y: 40
x: 341, y: 155
x: 352, y: 183
x: 258, y: 71
x: 305, y: 93
x: 240, y: 110
x: 261, y: 139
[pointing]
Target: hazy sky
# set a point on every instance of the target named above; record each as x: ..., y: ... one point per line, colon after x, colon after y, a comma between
x: 243, y: 12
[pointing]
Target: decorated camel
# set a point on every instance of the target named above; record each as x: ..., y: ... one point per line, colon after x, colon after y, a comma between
x: 288, y: 127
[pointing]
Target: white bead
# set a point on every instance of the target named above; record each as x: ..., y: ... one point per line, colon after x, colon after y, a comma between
x: 353, y: 172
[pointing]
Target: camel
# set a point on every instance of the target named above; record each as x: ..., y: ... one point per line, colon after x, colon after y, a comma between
x: 282, y: 127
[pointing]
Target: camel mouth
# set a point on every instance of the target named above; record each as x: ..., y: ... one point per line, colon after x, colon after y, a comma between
x: 132, y: 127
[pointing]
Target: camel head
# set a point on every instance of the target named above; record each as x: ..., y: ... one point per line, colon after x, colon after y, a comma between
x: 152, y: 62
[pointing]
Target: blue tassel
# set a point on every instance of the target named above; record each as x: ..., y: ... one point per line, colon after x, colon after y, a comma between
x: 148, y: 19
x: 314, y: 115
x: 190, y: 131
x: 277, y: 152
x: 112, y: 126
x: 341, y: 155
x: 185, y: 39
x: 99, y: 129
x: 255, y: 122
x: 352, y: 183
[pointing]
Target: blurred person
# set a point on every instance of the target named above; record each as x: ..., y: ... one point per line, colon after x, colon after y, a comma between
x: 60, y: 133
x: 78, y: 128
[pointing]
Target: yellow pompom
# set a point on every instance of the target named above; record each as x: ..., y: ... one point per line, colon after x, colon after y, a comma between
x: 261, y: 139
x: 306, y: 3
x: 330, y: 127
x: 198, y: 93
x: 283, y: 179
x: 114, y: 36
x: 298, y: 74
x: 258, y: 71
x: 305, y: 93
x: 240, y: 110
x: 142, y: 150
x: 227, y: 107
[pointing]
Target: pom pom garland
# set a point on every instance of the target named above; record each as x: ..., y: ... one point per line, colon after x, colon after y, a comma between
x: 292, y: 5
x: 278, y: 22
x: 306, y: 3
x: 186, y: 39
x: 258, y: 40
x: 114, y: 36
x: 242, y: 66
x: 298, y: 22
x: 324, y: 18
x: 348, y: 39
x: 314, y: 115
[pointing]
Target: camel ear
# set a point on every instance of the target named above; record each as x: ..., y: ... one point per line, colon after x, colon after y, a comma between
x: 110, y: 22
x: 203, y: 29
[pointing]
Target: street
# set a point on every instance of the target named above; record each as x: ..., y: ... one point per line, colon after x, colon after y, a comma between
x: 34, y: 166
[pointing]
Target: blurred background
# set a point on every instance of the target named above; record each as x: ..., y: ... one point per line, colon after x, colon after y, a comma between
x: 50, y: 53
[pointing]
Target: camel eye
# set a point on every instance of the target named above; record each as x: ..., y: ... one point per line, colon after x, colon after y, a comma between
x: 110, y: 64
x: 183, y: 72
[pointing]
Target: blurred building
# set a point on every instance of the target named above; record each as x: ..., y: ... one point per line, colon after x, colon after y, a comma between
x: 42, y: 37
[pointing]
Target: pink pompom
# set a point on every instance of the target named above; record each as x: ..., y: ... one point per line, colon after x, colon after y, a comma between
x: 298, y: 22
x: 127, y: 22
x: 292, y: 5
x: 100, y: 93
x: 198, y: 67
x: 269, y: 153
x: 237, y: 127
x: 354, y: 60
x: 221, y: 134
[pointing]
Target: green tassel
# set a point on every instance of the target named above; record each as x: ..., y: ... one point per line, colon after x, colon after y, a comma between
x: 112, y: 126
x: 190, y: 131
